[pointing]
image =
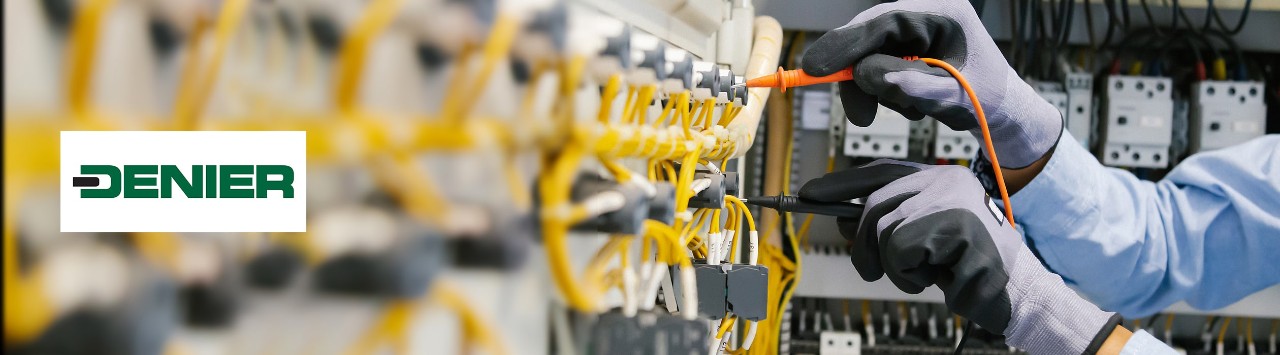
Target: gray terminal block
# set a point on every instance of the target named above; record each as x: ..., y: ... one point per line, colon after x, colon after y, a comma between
x: 747, y: 291
x: 712, y: 197
x: 662, y: 207
x: 674, y: 335
x: 616, y: 333
x: 626, y: 220
x: 619, y: 47
x: 711, y: 282
x: 404, y: 270
x: 731, y: 183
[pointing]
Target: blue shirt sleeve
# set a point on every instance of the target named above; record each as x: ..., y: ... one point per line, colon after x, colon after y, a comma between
x: 1142, y: 343
x: 1209, y: 233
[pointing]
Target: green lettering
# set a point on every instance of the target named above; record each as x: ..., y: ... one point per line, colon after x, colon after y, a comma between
x: 132, y: 181
x: 113, y: 177
x: 170, y: 175
x: 229, y: 183
x: 264, y: 183
x: 211, y: 175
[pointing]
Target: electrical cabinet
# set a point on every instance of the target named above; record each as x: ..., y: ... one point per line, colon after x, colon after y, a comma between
x: 1137, y: 125
x: 1225, y: 113
x: 886, y: 137
x: 1079, y: 113
x: 950, y: 144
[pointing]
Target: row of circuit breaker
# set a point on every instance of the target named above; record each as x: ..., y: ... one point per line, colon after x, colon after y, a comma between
x: 1134, y: 123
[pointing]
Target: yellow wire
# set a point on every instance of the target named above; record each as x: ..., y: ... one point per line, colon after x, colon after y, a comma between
x: 1223, y: 332
x: 496, y: 48
x: 82, y: 53
x: 351, y: 58
x: 191, y: 101
x: 606, y: 98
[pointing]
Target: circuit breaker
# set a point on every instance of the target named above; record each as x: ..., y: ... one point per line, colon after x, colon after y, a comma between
x: 951, y: 144
x: 1137, y: 125
x: 886, y: 137
x: 1225, y: 113
x: 1079, y: 112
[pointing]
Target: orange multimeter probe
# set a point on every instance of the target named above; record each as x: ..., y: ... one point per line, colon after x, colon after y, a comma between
x: 784, y: 79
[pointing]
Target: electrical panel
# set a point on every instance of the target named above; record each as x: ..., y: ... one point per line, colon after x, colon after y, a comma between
x: 952, y: 144
x: 886, y: 137
x: 839, y: 343
x: 1225, y: 113
x: 1079, y: 113
x: 1137, y: 124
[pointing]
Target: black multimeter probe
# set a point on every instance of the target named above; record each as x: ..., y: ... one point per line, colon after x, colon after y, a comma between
x: 800, y: 205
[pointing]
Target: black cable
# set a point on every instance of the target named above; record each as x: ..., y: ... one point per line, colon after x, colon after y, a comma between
x: 1146, y: 10
x: 1124, y: 10
x: 1244, y: 15
x: 1111, y: 23
x: 1088, y: 25
x: 1209, y: 10
x: 1014, y: 33
x: 968, y: 326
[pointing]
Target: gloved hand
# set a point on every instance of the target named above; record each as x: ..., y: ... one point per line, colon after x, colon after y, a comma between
x: 1023, y: 126
x: 925, y: 225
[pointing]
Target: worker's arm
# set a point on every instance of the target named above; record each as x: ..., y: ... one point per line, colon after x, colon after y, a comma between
x: 933, y: 225
x: 1208, y: 233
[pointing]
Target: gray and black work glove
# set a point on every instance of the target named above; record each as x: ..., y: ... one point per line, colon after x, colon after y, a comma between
x: 933, y: 225
x: 1023, y: 126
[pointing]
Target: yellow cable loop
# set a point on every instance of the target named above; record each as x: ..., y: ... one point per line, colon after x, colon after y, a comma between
x: 82, y: 55
x: 191, y: 100
x: 554, y: 187
x: 751, y: 221
x: 496, y: 49
x: 606, y: 98
x: 725, y: 325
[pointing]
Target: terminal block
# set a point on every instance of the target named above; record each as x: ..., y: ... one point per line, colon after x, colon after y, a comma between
x: 731, y: 186
x: 211, y: 304
x: 676, y: 336
x: 662, y: 207
x: 404, y: 270
x: 619, y: 46
x: 680, y: 68
x: 615, y: 333
x: 649, y: 53
x: 706, y: 76
x: 737, y: 288
x: 504, y: 247
x: 1225, y: 113
x: 626, y: 220
x: 273, y: 268
x: 952, y: 144
x: 747, y: 291
x: 1079, y: 114
x: 712, y: 197
x: 887, y: 137
x: 1137, y: 122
